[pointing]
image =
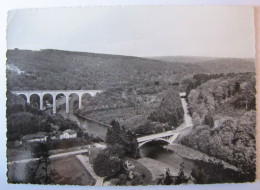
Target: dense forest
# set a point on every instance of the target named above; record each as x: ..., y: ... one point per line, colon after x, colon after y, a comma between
x: 224, y: 114
x: 56, y: 69
x: 143, y: 111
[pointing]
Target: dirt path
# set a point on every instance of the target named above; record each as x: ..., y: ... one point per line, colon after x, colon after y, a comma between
x: 52, y: 156
x: 85, y: 162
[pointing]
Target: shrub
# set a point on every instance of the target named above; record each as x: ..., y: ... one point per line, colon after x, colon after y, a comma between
x: 168, y: 179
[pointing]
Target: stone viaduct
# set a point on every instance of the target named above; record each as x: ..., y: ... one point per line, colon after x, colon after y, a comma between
x: 54, y: 93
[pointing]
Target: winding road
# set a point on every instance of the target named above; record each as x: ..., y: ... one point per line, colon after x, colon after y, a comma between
x: 172, y: 135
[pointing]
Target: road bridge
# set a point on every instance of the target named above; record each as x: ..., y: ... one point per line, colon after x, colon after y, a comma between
x: 54, y: 93
x: 170, y: 136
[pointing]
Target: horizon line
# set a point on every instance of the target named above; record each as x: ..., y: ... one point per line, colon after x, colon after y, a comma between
x: 148, y: 57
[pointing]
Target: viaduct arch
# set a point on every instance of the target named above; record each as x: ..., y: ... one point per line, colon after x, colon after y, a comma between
x: 54, y: 94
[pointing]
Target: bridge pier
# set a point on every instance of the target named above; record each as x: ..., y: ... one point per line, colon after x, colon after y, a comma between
x: 54, y: 103
x: 41, y: 101
x: 28, y: 98
x: 80, y: 100
x: 67, y: 103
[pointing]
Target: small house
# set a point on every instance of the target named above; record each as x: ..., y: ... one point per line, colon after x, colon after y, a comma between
x: 68, y: 134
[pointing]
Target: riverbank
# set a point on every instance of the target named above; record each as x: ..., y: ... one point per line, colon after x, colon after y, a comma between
x: 90, y: 126
x: 191, y: 154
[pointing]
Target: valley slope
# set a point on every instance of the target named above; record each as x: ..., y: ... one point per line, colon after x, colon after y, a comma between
x: 56, y: 69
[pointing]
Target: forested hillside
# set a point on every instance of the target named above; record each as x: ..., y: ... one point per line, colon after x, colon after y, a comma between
x: 224, y: 115
x: 56, y: 69
x: 144, y: 111
x: 212, y: 64
x: 23, y: 119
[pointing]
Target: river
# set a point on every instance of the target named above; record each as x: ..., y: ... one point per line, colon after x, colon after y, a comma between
x: 154, y: 150
x: 92, y: 128
x: 160, y: 152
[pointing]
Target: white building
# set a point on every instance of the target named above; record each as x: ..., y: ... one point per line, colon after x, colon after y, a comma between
x: 68, y: 134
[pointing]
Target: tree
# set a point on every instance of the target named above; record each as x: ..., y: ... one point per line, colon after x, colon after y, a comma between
x: 42, y: 174
x: 200, y: 97
x: 117, y: 135
x: 210, y: 173
x: 209, y: 120
x: 113, y: 133
x: 106, y: 165
x: 170, y: 110
x: 169, y: 179
x: 237, y: 86
x: 117, y: 150
x: 131, y: 145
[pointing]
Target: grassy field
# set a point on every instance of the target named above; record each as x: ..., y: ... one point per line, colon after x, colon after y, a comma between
x: 69, y: 170
x: 156, y: 168
x: 140, y: 168
x: 14, y: 154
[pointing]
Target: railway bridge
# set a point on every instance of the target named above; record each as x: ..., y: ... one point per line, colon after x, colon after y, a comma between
x: 54, y: 93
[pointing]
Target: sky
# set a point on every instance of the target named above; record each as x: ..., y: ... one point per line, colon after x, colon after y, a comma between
x: 143, y: 31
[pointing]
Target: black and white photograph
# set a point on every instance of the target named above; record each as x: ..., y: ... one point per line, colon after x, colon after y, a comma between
x: 131, y: 95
